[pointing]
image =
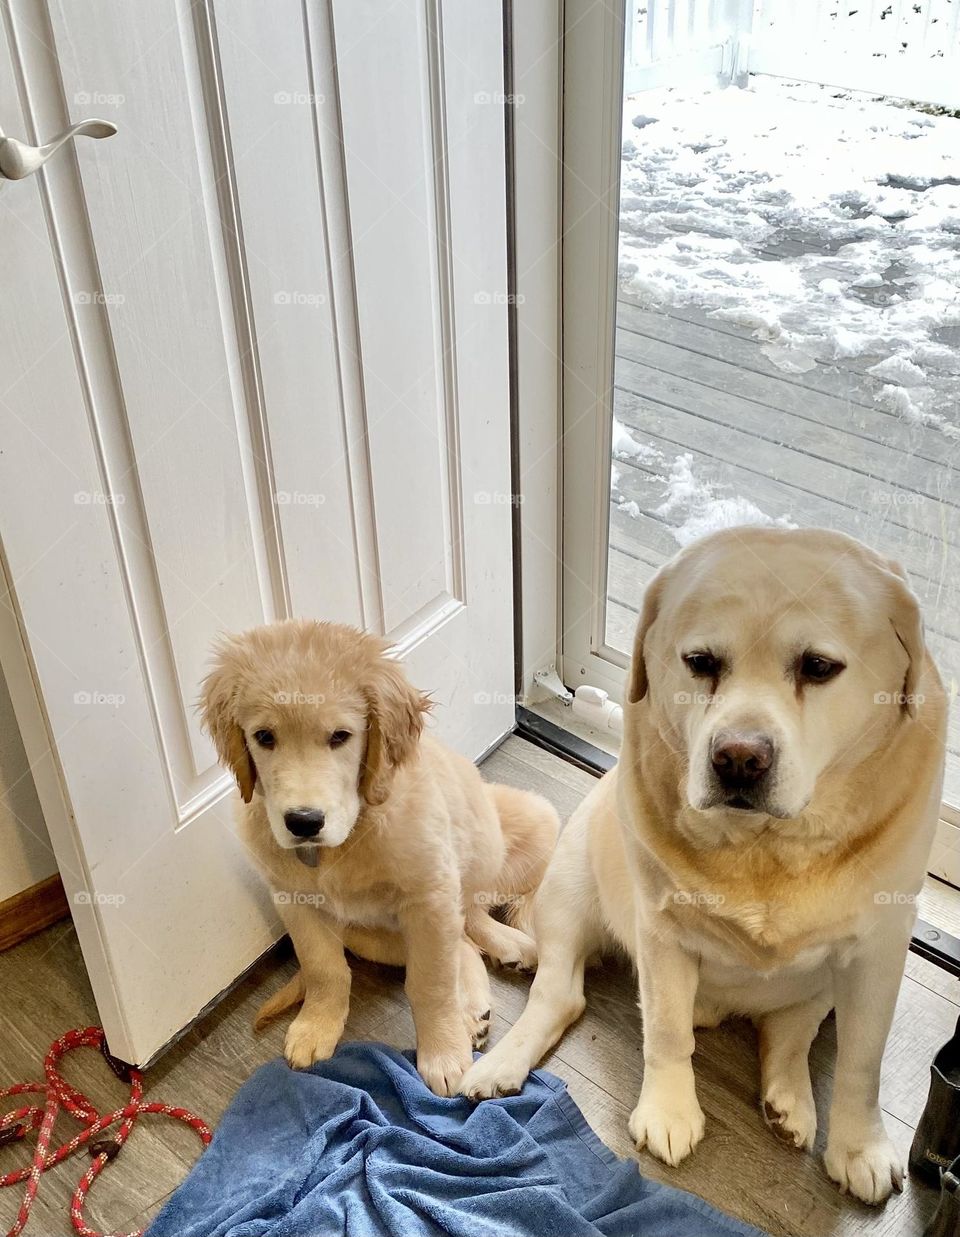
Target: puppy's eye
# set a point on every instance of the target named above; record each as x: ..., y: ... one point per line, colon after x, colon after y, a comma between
x: 818, y: 669
x: 266, y: 738
x: 339, y: 737
x: 703, y: 665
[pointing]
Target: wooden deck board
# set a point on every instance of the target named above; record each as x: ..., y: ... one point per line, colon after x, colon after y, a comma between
x: 749, y: 438
x: 833, y: 396
x: 715, y: 460
x: 826, y: 372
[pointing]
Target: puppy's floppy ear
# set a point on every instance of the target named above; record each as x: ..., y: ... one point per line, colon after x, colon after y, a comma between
x: 218, y: 702
x: 637, y: 680
x: 395, y: 712
x: 907, y: 623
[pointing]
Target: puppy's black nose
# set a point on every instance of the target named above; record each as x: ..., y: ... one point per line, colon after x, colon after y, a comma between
x: 303, y: 822
x: 741, y: 759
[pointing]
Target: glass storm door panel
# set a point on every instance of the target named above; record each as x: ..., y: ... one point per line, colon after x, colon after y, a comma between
x: 761, y: 316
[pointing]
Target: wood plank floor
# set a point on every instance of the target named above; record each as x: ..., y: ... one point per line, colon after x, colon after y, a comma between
x: 740, y: 1166
x: 812, y: 447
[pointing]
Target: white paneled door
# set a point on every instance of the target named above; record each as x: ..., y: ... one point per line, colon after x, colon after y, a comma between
x: 253, y: 362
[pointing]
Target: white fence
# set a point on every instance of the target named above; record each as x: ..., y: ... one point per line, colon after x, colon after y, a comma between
x: 904, y: 48
x: 674, y: 40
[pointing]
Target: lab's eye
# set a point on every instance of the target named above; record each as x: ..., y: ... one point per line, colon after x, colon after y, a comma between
x: 703, y: 665
x: 339, y: 737
x: 816, y: 668
x: 266, y: 738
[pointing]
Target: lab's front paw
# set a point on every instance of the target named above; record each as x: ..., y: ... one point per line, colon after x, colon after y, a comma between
x: 667, y: 1120
x: 497, y: 1074
x: 312, y: 1036
x: 862, y: 1160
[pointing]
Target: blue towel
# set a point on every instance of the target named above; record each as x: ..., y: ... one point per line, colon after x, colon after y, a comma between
x: 358, y: 1145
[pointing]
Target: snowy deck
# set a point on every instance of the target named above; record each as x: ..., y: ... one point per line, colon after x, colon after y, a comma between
x: 787, y: 342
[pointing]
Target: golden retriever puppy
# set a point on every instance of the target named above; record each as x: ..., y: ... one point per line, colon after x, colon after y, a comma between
x: 759, y: 847
x: 373, y: 836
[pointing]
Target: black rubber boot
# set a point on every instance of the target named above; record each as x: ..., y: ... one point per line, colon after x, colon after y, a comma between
x: 946, y: 1219
x: 936, y: 1144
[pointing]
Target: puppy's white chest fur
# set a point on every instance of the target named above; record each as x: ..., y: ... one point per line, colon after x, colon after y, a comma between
x: 369, y: 906
x: 364, y: 910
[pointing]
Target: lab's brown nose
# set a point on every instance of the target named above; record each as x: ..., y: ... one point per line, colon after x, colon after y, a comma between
x: 741, y: 759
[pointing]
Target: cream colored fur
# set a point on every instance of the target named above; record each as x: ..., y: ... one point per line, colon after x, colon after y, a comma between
x: 780, y: 914
x: 415, y: 849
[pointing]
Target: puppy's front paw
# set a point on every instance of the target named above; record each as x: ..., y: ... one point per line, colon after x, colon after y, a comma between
x: 869, y: 1167
x: 495, y: 1075
x: 311, y: 1037
x: 669, y: 1123
x: 442, y: 1068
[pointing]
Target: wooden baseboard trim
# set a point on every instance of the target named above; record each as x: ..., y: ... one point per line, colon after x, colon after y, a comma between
x: 32, y: 910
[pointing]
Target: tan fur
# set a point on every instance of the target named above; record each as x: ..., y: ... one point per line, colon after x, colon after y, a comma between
x: 415, y: 851
x: 781, y: 912
x: 529, y: 824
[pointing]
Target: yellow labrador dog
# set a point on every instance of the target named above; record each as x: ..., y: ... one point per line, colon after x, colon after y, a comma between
x: 373, y: 837
x: 759, y: 847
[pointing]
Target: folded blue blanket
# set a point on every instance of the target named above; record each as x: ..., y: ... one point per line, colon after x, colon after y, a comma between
x: 358, y: 1145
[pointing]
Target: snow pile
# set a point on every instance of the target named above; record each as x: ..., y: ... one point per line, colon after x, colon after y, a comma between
x: 691, y: 506
x: 716, y: 183
x: 700, y: 510
x: 626, y: 447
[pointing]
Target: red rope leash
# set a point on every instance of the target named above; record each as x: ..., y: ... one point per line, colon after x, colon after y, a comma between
x: 59, y: 1094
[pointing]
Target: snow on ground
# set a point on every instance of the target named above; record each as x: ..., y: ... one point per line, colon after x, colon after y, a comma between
x: 712, y: 178
x: 691, y: 506
x: 626, y: 447
x: 701, y: 510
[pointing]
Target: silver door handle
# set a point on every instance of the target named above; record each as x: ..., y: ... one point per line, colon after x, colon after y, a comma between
x: 18, y: 160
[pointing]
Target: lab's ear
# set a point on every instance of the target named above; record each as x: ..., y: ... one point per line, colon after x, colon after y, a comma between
x: 638, y: 681
x: 907, y: 623
x: 218, y: 698
x: 395, y: 711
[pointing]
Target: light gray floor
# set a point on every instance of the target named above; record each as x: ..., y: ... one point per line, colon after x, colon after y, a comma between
x: 740, y: 1166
